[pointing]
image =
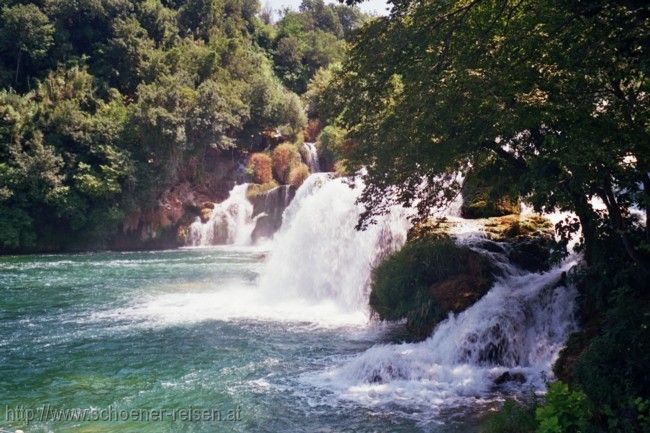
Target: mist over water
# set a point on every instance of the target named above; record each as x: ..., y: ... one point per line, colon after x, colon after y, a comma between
x: 282, y: 328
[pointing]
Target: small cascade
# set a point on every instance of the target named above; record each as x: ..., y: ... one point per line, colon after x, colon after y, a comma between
x: 268, y: 208
x: 310, y: 156
x: 231, y: 222
x: 510, y: 338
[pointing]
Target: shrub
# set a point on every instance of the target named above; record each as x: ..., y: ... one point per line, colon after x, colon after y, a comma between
x: 298, y: 174
x: 565, y: 411
x: 512, y: 418
x: 612, y: 370
x: 285, y: 156
x: 260, y: 167
x: 427, y: 278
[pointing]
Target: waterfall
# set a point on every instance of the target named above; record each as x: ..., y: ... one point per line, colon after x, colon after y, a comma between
x: 310, y: 155
x: 318, y: 254
x: 319, y: 270
x: 231, y: 222
x: 507, y: 340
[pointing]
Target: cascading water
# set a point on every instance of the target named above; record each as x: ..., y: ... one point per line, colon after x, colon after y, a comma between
x: 507, y: 340
x: 310, y: 154
x: 231, y: 222
x: 319, y: 271
x: 318, y: 254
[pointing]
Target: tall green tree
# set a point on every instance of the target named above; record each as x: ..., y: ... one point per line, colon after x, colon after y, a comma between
x: 26, y: 36
x: 556, y: 91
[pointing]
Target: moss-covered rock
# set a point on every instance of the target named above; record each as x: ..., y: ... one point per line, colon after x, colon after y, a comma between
x: 256, y: 189
x: 531, y: 240
x: 427, y: 279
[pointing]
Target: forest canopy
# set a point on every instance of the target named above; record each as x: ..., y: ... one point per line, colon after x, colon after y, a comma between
x: 105, y: 103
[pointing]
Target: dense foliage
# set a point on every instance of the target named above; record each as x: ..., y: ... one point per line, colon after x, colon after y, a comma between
x: 107, y: 103
x: 556, y: 95
x: 422, y: 282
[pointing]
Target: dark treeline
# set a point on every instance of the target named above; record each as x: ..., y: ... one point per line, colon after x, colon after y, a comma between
x: 105, y: 103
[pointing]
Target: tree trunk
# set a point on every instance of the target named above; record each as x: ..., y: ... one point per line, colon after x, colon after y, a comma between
x: 585, y: 215
x: 20, y: 54
x: 616, y: 215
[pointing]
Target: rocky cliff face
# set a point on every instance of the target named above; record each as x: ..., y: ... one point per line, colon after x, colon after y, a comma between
x: 268, y: 208
x: 179, y: 205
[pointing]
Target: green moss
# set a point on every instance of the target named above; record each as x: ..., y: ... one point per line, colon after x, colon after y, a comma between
x: 256, y: 189
x: 511, y: 227
x: 425, y: 280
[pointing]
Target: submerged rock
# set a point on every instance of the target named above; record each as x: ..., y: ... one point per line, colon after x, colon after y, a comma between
x: 508, y: 377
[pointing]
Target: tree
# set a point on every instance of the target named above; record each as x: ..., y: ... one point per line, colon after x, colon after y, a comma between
x: 26, y: 35
x: 126, y: 55
x: 555, y: 91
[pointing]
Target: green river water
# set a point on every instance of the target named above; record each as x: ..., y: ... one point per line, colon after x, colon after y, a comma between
x: 151, y: 331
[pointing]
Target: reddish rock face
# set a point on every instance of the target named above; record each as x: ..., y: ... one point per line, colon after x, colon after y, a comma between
x: 179, y: 205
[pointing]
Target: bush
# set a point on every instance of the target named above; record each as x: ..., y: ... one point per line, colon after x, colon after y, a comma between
x: 513, y: 418
x: 565, y: 411
x: 260, y: 167
x: 612, y: 370
x: 285, y: 157
x: 298, y: 174
x: 427, y: 278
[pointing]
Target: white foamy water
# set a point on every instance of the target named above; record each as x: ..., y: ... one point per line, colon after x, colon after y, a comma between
x: 518, y: 327
x: 231, y: 222
x: 318, y: 255
x: 311, y: 157
x: 318, y: 269
x: 318, y: 272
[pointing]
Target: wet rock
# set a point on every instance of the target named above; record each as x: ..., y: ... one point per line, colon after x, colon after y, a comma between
x: 268, y: 208
x: 509, y: 377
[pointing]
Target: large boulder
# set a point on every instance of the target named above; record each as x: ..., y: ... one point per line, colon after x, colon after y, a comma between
x: 428, y: 278
x: 268, y: 208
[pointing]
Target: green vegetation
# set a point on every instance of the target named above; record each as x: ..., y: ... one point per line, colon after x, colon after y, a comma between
x: 553, y: 97
x: 485, y: 192
x: 513, y: 418
x: 331, y: 144
x: 284, y: 157
x: 106, y: 105
x: 426, y: 279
